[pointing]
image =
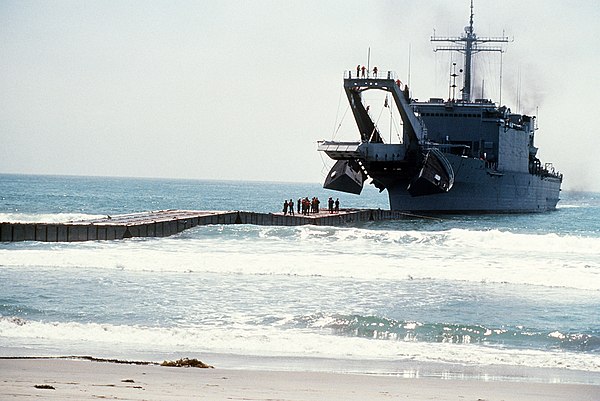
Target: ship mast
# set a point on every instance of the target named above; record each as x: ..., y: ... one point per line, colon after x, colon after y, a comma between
x: 468, y: 44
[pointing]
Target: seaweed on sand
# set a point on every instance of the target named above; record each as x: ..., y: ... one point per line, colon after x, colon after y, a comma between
x: 187, y: 363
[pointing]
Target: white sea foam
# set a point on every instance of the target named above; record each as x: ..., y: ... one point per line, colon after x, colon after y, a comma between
x: 46, y: 218
x: 271, y: 341
x: 456, y: 254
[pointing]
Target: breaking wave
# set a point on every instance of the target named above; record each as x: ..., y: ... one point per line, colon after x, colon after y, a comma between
x: 412, y: 331
x: 275, y: 341
x: 456, y: 254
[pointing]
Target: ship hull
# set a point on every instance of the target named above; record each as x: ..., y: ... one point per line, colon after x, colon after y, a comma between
x: 479, y: 189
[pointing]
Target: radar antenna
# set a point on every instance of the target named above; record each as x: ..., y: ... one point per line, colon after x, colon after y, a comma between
x: 452, y: 89
x: 468, y: 44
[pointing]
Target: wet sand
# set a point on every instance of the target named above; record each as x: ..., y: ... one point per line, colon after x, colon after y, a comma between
x: 68, y: 379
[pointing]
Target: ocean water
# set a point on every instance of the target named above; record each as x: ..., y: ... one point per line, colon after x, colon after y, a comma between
x: 503, y: 291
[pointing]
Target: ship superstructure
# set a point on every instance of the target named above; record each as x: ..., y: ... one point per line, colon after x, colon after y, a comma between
x: 455, y: 156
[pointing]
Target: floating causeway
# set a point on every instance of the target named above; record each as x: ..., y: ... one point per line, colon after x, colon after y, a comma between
x: 164, y: 223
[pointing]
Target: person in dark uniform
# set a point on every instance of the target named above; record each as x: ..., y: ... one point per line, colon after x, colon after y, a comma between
x: 330, y: 204
x: 291, y: 207
x: 285, y: 206
x: 337, y: 205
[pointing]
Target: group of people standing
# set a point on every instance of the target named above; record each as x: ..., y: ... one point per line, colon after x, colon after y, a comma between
x: 308, y: 206
x: 364, y: 73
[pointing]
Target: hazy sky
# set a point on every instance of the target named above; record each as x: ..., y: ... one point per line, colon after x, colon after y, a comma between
x: 244, y: 89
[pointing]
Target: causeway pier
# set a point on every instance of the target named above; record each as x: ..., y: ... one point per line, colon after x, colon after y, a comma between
x: 164, y: 223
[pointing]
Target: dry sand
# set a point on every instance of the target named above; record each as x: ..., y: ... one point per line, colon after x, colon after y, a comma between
x: 68, y: 379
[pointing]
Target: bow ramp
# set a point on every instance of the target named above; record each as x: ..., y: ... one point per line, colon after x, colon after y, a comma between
x: 354, y: 87
x: 353, y: 158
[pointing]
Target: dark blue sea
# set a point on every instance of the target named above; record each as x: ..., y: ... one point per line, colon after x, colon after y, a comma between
x: 413, y: 297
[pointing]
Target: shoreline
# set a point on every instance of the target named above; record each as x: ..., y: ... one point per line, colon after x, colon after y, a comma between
x: 89, y: 379
x: 405, y: 368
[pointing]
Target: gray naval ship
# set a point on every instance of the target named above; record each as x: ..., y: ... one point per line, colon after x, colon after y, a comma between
x: 456, y: 156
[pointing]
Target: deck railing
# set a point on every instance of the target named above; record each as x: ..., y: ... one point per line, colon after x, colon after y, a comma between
x: 381, y: 74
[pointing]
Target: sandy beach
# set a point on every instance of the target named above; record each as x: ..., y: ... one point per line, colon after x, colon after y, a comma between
x: 70, y: 379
